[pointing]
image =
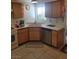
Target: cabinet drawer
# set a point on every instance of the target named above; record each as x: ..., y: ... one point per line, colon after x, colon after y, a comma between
x: 34, y: 29
x: 21, y: 30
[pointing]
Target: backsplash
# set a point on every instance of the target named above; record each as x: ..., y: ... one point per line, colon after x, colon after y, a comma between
x: 55, y: 20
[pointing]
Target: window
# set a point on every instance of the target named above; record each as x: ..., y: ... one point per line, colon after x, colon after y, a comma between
x: 41, y: 11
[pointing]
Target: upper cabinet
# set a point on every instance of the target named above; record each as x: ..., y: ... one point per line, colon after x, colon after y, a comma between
x: 65, y: 4
x: 17, y: 1
x: 17, y: 10
x: 46, y: 0
x: 54, y: 9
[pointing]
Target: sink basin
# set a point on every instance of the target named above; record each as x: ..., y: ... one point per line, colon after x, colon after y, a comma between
x: 51, y: 25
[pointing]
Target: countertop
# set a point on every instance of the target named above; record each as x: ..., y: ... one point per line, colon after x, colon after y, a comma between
x: 57, y: 26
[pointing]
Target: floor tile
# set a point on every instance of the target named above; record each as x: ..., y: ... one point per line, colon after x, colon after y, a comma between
x: 37, y: 50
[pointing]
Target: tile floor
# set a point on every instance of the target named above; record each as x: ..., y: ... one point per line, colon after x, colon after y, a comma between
x: 37, y: 50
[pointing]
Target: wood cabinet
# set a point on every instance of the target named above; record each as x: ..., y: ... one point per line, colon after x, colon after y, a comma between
x: 54, y: 9
x: 17, y: 1
x: 11, y: 10
x: 34, y: 34
x: 58, y: 38
x: 65, y: 4
x: 22, y: 35
x: 17, y: 10
x: 51, y: 37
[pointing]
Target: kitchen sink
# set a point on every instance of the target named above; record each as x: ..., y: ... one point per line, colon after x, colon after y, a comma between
x: 51, y: 25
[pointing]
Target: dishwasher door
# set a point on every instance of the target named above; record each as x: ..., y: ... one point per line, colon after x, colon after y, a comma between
x: 47, y: 36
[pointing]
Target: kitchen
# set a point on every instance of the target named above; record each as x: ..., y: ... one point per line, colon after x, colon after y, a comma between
x: 38, y: 24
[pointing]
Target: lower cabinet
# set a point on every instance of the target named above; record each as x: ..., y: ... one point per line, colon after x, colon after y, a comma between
x: 34, y: 34
x: 58, y: 38
x: 22, y: 35
x: 54, y: 38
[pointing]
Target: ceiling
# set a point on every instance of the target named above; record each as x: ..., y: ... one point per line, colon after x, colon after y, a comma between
x: 23, y: 1
x: 45, y: 0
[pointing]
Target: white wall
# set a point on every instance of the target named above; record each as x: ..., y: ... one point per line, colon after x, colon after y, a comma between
x: 29, y: 15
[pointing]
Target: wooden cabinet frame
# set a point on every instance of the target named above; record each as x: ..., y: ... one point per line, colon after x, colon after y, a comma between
x: 58, y: 38
x: 22, y: 35
x: 55, y: 9
x: 18, y: 10
x: 34, y: 34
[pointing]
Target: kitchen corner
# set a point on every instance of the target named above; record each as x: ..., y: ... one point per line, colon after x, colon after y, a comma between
x: 56, y: 27
x: 38, y: 22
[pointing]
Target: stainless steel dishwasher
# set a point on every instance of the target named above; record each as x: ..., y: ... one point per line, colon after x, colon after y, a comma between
x: 47, y: 36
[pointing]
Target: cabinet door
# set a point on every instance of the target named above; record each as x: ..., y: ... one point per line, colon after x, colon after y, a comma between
x: 54, y: 38
x: 61, y: 38
x: 18, y: 10
x: 48, y: 9
x: 11, y: 10
x: 63, y: 7
x: 22, y: 35
x: 34, y: 34
x: 58, y: 38
x: 54, y: 9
